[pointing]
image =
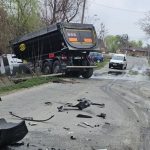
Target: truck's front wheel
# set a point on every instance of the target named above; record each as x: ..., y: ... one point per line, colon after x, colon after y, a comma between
x: 88, y: 73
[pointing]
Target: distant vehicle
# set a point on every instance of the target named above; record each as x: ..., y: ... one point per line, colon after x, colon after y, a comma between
x: 96, y: 57
x: 59, y: 48
x: 118, y: 61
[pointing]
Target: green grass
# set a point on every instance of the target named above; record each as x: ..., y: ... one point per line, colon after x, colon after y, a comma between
x: 102, y: 64
x: 27, y: 84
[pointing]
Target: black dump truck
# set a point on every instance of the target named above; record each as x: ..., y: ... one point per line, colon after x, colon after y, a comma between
x: 59, y: 48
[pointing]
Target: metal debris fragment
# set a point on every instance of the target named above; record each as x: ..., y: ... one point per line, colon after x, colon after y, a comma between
x: 80, y: 125
x: 60, y: 109
x: 107, y: 123
x: 87, y: 103
x: 30, y: 118
x: 48, y: 103
x: 72, y: 137
x: 32, y: 124
x: 66, y: 128
x: 82, y: 104
x: 97, y: 125
x: 83, y: 116
x: 102, y: 115
x: 87, y: 124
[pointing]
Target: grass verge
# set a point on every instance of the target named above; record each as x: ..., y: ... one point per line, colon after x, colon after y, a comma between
x: 102, y: 64
x: 27, y: 84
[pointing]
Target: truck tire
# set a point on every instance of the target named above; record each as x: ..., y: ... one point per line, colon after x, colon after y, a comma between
x: 109, y: 66
x: 88, y: 73
x: 56, y: 67
x: 75, y: 74
x: 122, y: 67
x: 47, y: 68
x: 125, y: 67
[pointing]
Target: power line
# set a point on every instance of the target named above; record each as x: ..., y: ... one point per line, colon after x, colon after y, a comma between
x: 117, y: 8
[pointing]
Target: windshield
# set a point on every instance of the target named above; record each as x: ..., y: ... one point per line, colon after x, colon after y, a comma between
x: 115, y: 57
x: 80, y: 38
x: 95, y: 54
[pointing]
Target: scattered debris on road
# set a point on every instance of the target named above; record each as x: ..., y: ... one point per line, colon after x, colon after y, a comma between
x: 87, y: 124
x: 30, y: 118
x: 102, y: 115
x: 82, y: 104
x: 107, y: 123
x: 72, y: 138
x: 32, y: 124
x: 60, y: 109
x: 66, y: 128
x: 83, y: 116
x: 11, y: 133
x: 86, y: 102
x: 48, y: 103
x: 80, y: 125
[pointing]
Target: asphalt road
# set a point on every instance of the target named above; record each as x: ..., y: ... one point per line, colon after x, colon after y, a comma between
x: 125, y: 93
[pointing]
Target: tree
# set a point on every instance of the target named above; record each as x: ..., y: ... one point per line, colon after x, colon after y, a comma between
x: 60, y: 10
x: 4, y: 30
x: 23, y: 14
x: 145, y: 24
x: 136, y: 44
x: 112, y: 43
x: 115, y: 42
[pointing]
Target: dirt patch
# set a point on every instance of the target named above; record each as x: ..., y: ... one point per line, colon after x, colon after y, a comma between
x: 5, y: 81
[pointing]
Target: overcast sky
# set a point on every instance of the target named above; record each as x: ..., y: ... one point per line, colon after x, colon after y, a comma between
x: 119, y: 16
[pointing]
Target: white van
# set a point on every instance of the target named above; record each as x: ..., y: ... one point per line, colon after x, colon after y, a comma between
x: 118, y: 61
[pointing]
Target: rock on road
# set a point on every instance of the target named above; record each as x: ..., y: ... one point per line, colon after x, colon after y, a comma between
x: 126, y: 96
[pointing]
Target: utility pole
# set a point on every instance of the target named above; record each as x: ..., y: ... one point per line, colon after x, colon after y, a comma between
x: 83, y: 11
